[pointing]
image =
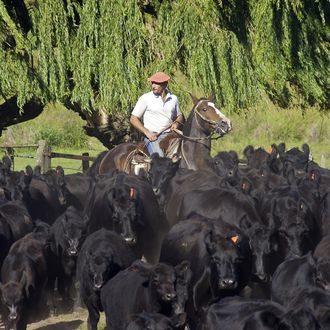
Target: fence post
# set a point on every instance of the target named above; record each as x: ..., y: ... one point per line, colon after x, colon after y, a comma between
x: 10, y: 153
x: 85, y: 163
x: 43, y: 157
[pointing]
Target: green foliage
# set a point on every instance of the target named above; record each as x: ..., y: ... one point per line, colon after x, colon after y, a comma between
x: 264, y: 125
x: 99, y: 53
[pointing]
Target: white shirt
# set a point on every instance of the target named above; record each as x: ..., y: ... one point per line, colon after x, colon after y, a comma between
x: 156, y: 114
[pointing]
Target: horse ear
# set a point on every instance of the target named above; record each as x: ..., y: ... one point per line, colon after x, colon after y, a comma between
x: 211, y: 97
x: 194, y: 99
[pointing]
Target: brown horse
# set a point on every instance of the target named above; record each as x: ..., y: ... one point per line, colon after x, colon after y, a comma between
x: 204, y: 120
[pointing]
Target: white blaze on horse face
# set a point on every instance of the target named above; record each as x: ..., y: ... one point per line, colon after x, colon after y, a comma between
x: 223, y: 117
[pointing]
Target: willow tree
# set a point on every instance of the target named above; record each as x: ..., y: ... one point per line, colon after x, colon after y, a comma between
x: 94, y: 56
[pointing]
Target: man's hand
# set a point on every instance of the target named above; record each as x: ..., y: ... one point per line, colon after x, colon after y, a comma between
x: 174, y: 125
x: 151, y: 136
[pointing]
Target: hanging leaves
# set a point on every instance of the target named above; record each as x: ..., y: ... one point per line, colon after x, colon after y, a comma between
x: 99, y: 53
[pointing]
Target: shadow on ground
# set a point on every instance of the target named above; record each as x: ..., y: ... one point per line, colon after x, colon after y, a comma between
x: 64, y: 325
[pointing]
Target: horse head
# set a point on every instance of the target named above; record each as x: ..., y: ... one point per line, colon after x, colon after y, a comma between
x: 210, y: 117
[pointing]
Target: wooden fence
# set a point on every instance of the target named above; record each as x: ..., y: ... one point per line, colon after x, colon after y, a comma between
x: 44, y: 155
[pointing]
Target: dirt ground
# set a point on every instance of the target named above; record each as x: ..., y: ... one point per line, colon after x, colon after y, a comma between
x: 72, y: 321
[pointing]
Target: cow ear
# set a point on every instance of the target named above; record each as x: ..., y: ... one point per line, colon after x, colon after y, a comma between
x: 245, y: 224
x: 248, y: 151
x: 183, y: 271
x: 245, y: 185
x: 281, y: 149
x: 209, y: 243
x: 306, y: 150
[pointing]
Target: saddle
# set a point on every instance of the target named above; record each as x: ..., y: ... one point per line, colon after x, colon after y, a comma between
x: 139, y: 159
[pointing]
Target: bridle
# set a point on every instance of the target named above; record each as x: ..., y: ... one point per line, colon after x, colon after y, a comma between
x: 213, y: 123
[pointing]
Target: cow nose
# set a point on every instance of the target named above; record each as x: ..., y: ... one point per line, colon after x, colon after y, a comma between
x: 130, y: 240
x: 170, y: 296
x: 262, y: 277
x: 13, y: 315
x: 156, y: 191
x: 72, y: 252
x: 62, y: 200
x: 227, y: 283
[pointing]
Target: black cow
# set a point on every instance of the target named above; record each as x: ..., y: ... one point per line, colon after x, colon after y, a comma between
x: 127, y: 205
x: 237, y: 209
x: 160, y: 288
x: 219, y: 255
x: 162, y: 170
x: 321, y: 256
x: 103, y: 254
x: 258, y: 158
x: 297, y: 226
x: 68, y: 234
x: 226, y: 166
x: 171, y: 183
x: 78, y: 188
x: 325, y: 214
x: 23, y: 281
x: 294, y: 159
x: 45, y: 199
x: 294, y: 272
x: 237, y: 313
x: 15, y: 222
x: 314, y: 299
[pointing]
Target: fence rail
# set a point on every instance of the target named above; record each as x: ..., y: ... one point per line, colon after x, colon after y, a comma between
x: 44, y: 155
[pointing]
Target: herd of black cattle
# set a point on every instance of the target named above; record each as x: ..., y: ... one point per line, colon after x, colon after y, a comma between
x: 228, y: 247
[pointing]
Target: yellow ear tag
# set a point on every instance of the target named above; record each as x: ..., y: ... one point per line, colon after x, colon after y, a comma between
x: 234, y: 239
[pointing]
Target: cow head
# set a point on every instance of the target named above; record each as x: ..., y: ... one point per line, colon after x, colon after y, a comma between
x: 163, y: 283
x: 226, y: 166
x: 323, y: 274
x: 13, y: 296
x: 224, y: 260
x: 169, y: 287
x: 101, y: 268
x: 297, y: 225
x: 74, y: 231
x: 123, y: 200
x: 263, y: 244
x: 295, y: 159
x: 162, y: 170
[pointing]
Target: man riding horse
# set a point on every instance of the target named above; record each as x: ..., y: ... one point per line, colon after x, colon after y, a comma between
x: 156, y: 113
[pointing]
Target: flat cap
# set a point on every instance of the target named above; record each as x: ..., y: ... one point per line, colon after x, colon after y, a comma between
x: 159, y: 77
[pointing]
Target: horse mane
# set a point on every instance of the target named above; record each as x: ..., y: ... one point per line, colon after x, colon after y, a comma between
x: 187, y: 126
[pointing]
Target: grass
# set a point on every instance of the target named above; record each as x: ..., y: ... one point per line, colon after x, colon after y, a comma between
x: 260, y: 127
x: 62, y: 129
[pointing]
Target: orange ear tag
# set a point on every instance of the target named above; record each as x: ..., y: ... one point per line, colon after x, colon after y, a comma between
x: 131, y: 193
x: 234, y: 239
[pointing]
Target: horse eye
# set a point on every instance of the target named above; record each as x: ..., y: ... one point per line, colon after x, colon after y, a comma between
x: 204, y: 109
